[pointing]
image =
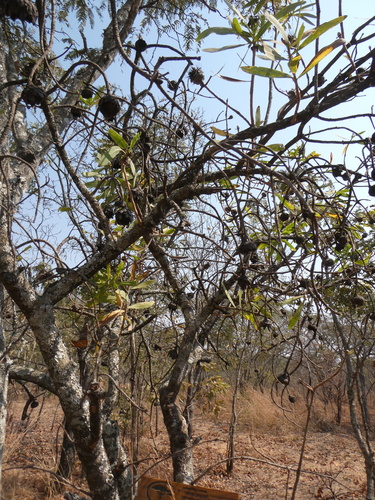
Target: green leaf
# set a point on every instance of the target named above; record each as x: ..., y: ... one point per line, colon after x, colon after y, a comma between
x: 266, y: 72
x: 285, y: 11
x: 236, y: 26
x: 104, y: 159
x: 258, y: 118
x: 277, y: 25
x: 226, y: 47
x: 144, y: 284
x: 250, y: 317
x: 296, y: 316
x: 271, y: 53
x: 230, y: 79
x: 222, y: 133
x: 228, y: 296
x: 322, y: 29
x: 300, y: 35
x: 215, y: 31
x: 290, y: 300
x: 93, y: 184
x: 294, y: 63
x: 259, y: 5
x: 118, y: 139
x: 274, y: 147
x: 235, y: 10
x: 65, y: 209
x: 92, y: 173
x: 142, y: 305
x: 322, y: 54
x: 134, y: 141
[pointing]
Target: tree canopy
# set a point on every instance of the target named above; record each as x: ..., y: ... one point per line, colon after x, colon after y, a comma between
x: 134, y: 222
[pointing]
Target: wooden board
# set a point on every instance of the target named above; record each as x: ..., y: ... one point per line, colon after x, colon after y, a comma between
x: 151, y: 488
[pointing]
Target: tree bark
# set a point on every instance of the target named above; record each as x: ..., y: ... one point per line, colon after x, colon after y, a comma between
x: 67, y: 453
x: 180, y: 442
x: 4, y: 377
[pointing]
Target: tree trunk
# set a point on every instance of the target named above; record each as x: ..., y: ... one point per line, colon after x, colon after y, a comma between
x: 65, y: 375
x: 67, y: 453
x: 233, y: 424
x: 4, y: 371
x: 180, y: 442
x: 118, y: 459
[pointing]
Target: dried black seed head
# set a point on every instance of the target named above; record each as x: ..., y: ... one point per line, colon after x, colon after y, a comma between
x: 328, y: 262
x: 76, y: 112
x: 24, y: 10
x: 371, y: 190
x: 137, y: 194
x: 304, y: 283
x: 254, y: 258
x: 283, y: 378
x: 253, y: 21
x: 339, y: 247
x: 173, y: 353
x: 172, y: 85
x: 27, y: 68
x: 299, y: 240
x: 283, y: 216
x: 246, y: 247
x: 116, y: 162
x: 108, y: 211
x: 373, y: 138
x: 145, y: 142
x: 307, y: 215
x: 27, y: 155
x: 337, y: 170
x: 33, y: 95
x: 181, y: 132
x: 357, y: 300
x: 140, y: 45
x: 346, y: 176
x: 243, y: 281
x: 266, y: 323
x: 87, y: 93
x: 292, y: 399
x: 196, y: 76
x: 109, y: 107
x: 124, y: 217
x: 341, y: 241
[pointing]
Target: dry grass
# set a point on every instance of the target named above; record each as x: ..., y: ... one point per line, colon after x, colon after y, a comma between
x: 268, y: 428
x: 259, y: 412
x: 30, y: 452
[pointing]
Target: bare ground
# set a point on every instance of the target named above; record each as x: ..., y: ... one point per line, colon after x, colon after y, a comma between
x: 267, y: 450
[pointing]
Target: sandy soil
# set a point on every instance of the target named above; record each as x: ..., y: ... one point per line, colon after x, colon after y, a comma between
x: 333, y: 467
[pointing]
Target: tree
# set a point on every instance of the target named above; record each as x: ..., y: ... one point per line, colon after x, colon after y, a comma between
x: 172, y: 223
